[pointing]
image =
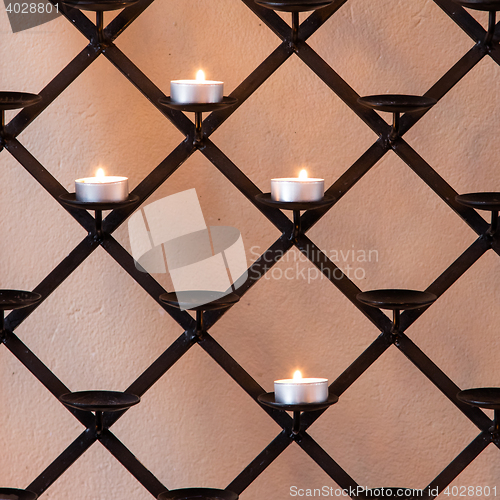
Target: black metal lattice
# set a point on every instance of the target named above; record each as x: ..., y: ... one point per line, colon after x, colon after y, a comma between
x: 288, y: 48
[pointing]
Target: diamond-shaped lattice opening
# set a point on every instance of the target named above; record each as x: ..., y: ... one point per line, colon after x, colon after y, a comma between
x: 36, y: 427
x: 57, y: 43
x: 35, y: 239
x: 469, y: 118
x: 89, y: 477
x: 185, y: 424
x: 392, y: 193
x: 174, y: 49
x: 292, y: 474
x: 222, y: 206
x: 299, y: 296
x: 380, y: 419
x: 100, y: 343
x: 378, y: 47
x: 461, y: 336
x: 311, y: 123
x: 86, y: 133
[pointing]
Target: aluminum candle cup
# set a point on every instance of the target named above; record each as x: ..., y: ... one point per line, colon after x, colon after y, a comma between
x: 297, y: 189
x: 302, y: 390
x: 197, y: 91
x: 101, y: 189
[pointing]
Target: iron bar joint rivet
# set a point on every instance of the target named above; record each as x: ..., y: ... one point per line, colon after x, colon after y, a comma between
x: 200, y: 326
x: 99, y: 235
x: 198, y: 336
x: 99, y: 424
x: 396, y: 322
x: 394, y: 133
x: 295, y: 435
x: 297, y: 227
x: 488, y: 437
x: 295, y: 32
x: 495, y: 429
x: 198, y: 129
x: 98, y: 238
x: 490, y: 233
x: 99, y: 24
x: 191, y: 335
x: 293, y: 46
x: 495, y: 437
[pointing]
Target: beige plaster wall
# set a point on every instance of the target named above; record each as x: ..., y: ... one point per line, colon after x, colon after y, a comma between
x: 99, y: 330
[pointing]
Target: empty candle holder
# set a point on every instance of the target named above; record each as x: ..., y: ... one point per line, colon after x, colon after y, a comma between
x: 198, y: 494
x: 13, y: 100
x: 199, y: 301
x: 489, y: 201
x: 99, y: 7
x: 69, y: 200
x: 17, y: 494
x: 294, y: 6
x: 397, y: 104
x: 490, y: 6
x: 99, y: 402
x: 268, y: 399
x: 487, y: 398
x: 15, y: 299
x: 198, y: 109
x: 296, y: 207
x: 16, y: 100
x: 396, y: 300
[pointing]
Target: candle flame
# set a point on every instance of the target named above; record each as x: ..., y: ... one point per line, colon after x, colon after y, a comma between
x: 200, y: 76
x: 297, y: 375
x: 303, y: 174
x: 100, y: 174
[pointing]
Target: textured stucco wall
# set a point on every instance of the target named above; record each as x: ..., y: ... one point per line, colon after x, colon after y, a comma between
x: 99, y: 330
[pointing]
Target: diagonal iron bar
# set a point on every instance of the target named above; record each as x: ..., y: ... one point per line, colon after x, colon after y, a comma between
x: 130, y: 462
x: 260, y: 463
x: 459, y: 463
x: 63, y: 462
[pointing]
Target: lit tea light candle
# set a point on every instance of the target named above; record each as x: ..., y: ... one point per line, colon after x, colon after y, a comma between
x: 197, y: 91
x: 297, y: 189
x: 101, y: 188
x: 300, y: 390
